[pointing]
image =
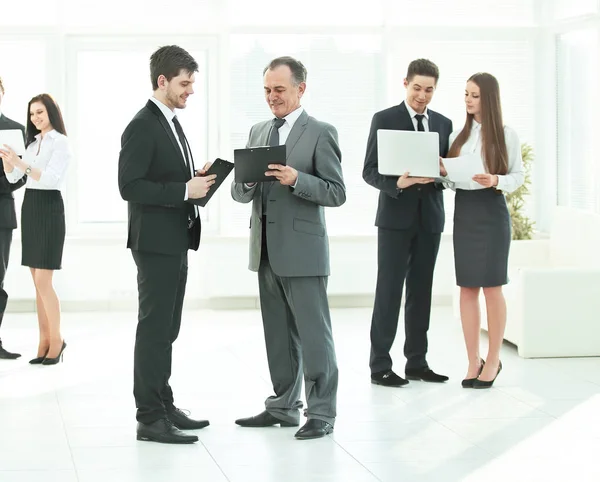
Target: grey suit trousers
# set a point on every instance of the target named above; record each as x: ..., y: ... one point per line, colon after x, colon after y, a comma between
x: 299, y: 340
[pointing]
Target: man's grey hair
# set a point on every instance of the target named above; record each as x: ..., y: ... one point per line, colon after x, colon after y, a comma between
x: 297, y: 68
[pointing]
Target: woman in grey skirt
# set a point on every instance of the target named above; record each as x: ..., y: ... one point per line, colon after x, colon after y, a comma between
x: 482, y: 227
x: 45, y: 162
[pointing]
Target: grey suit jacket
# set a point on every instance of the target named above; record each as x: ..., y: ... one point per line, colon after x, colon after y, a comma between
x: 296, y: 233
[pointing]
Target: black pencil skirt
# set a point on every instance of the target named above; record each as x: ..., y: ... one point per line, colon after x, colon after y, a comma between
x: 42, y: 229
x: 482, y: 234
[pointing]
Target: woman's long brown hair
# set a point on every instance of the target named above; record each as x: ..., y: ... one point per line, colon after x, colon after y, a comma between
x: 493, y: 143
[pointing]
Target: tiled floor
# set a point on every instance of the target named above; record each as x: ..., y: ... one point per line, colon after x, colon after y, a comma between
x: 75, y: 422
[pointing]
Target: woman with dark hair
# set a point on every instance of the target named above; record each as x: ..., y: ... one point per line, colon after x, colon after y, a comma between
x: 482, y: 226
x: 43, y: 214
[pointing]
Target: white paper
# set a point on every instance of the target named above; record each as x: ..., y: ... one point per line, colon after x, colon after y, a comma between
x: 463, y: 168
x: 13, y: 138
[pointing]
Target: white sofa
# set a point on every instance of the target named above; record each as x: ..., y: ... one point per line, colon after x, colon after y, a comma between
x: 553, y: 298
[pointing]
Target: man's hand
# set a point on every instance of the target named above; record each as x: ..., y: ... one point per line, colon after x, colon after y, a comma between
x: 202, y: 172
x: 286, y: 175
x: 486, y: 180
x: 443, y: 171
x: 198, y: 186
x: 404, y: 181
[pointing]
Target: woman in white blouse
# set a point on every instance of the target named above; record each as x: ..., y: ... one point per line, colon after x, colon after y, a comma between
x: 482, y: 225
x: 43, y: 214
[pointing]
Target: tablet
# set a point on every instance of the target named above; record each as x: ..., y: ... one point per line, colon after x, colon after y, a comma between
x: 222, y: 169
x: 14, y: 139
x: 251, y: 164
x: 417, y: 153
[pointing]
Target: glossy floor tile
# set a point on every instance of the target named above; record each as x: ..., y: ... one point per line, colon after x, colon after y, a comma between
x: 76, y: 421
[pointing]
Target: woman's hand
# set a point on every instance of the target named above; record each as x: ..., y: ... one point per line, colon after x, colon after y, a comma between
x: 486, y: 180
x: 443, y: 171
x: 9, y: 158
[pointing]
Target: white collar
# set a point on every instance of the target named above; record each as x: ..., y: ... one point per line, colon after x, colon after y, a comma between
x: 168, y: 113
x: 293, y: 116
x: 413, y: 112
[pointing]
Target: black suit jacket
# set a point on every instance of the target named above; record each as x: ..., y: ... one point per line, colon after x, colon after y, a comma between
x: 152, y: 177
x: 8, y: 217
x: 397, y: 209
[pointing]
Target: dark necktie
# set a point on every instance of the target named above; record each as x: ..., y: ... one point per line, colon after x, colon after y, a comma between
x: 420, y: 126
x: 193, y: 210
x: 273, y: 141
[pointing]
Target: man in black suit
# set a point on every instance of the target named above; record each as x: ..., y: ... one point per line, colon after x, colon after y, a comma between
x: 157, y: 179
x: 410, y: 220
x: 8, y: 221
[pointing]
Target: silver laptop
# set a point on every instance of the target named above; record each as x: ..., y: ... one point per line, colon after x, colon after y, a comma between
x: 14, y: 139
x: 408, y: 151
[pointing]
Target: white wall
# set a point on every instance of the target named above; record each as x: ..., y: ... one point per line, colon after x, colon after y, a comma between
x: 102, y: 275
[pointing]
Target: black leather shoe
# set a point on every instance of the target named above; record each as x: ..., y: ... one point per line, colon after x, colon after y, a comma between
x: 6, y: 355
x: 264, y: 419
x: 182, y: 421
x: 425, y: 374
x: 468, y: 382
x: 388, y: 378
x: 163, y: 431
x: 487, y: 384
x: 313, y: 429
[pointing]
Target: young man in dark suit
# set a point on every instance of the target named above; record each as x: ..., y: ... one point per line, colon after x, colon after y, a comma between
x: 157, y: 179
x: 410, y: 220
x: 8, y: 221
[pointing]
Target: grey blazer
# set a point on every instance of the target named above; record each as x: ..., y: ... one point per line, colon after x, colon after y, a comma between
x: 296, y: 231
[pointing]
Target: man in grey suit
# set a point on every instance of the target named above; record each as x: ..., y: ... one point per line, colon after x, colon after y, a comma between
x: 289, y: 249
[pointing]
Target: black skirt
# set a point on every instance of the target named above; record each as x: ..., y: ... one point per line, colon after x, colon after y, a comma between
x: 482, y: 233
x: 42, y: 229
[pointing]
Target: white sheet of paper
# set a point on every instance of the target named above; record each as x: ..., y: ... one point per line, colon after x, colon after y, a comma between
x: 14, y: 139
x: 463, y: 168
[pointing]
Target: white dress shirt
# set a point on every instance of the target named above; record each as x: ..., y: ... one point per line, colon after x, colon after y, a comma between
x: 507, y: 183
x: 51, y: 155
x: 169, y: 115
x: 413, y: 113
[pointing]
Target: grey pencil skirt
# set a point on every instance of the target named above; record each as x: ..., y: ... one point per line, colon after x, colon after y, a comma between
x: 482, y: 233
x: 42, y: 229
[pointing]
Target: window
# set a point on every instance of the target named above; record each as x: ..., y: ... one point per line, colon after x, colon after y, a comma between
x: 564, y: 9
x: 577, y: 75
x: 109, y: 85
x: 345, y: 87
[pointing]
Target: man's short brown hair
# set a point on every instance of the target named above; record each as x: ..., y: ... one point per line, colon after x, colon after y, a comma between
x: 1, y: 86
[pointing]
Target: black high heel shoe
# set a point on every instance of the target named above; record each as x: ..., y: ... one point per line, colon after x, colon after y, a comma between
x: 483, y: 384
x: 54, y: 361
x: 38, y: 360
x: 468, y: 382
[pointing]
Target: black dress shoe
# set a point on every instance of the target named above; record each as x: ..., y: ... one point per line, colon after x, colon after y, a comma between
x: 468, y: 382
x: 313, y: 429
x: 163, y: 431
x: 6, y: 355
x: 388, y: 378
x: 425, y: 374
x: 487, y: 384
x: 182, y: 421
x: 264, y: 419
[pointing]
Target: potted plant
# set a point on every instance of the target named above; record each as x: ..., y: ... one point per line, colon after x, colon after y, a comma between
x: 522, y: 226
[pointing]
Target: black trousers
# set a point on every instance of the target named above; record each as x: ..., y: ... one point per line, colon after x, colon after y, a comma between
x: 403, y: 255
x: 161, y: 289
x: 5, y: 243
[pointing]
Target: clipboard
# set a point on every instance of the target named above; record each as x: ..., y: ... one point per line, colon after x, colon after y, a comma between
x: 252, y: 163
x: 221, y: 168
x: 14, y: 139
